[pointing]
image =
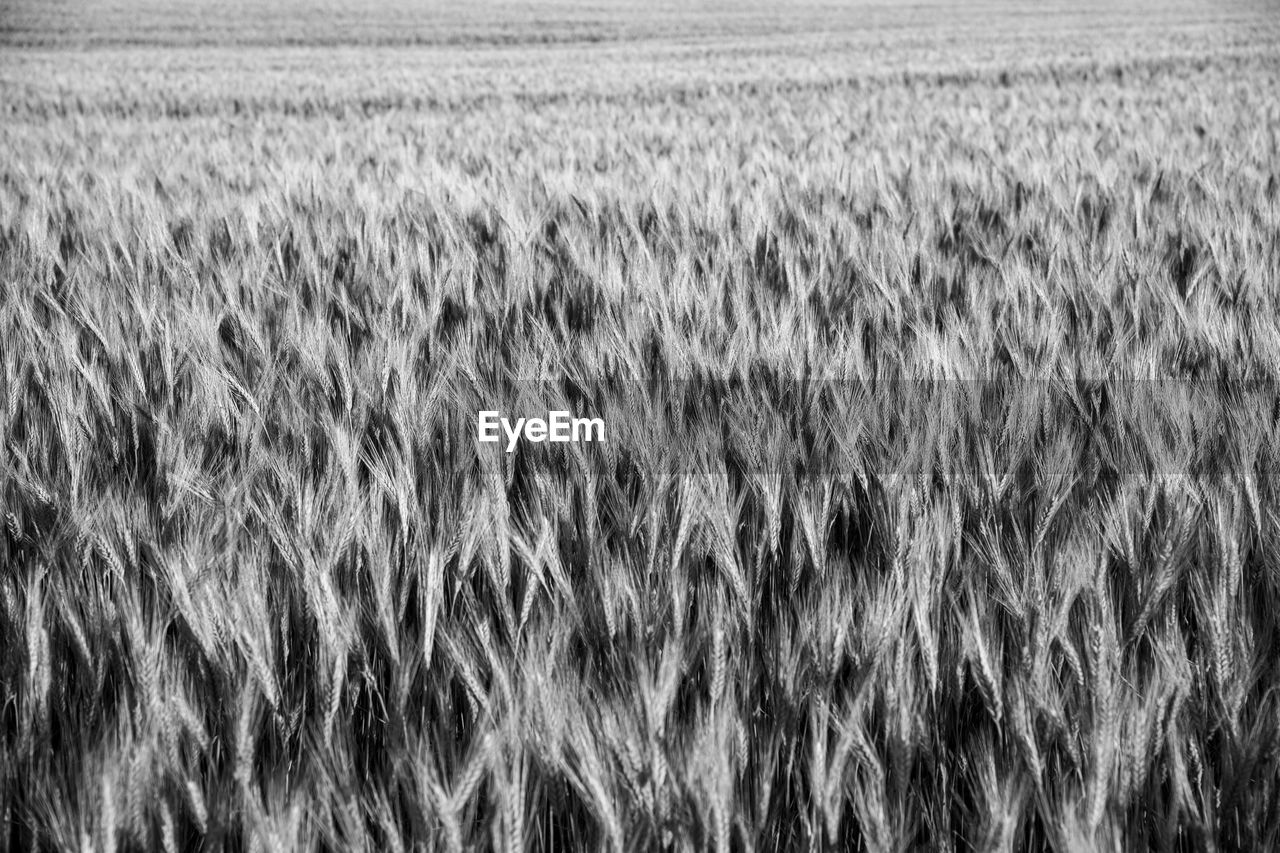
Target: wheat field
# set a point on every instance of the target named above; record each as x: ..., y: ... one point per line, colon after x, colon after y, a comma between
x: 939, y: 506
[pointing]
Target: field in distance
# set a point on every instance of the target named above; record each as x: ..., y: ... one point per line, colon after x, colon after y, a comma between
x: 936, y: 346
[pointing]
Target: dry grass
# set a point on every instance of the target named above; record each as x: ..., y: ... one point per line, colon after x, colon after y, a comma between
x: 938, y: 506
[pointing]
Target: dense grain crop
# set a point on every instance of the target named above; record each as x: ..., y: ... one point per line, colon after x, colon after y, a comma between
x: 938, y: 348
